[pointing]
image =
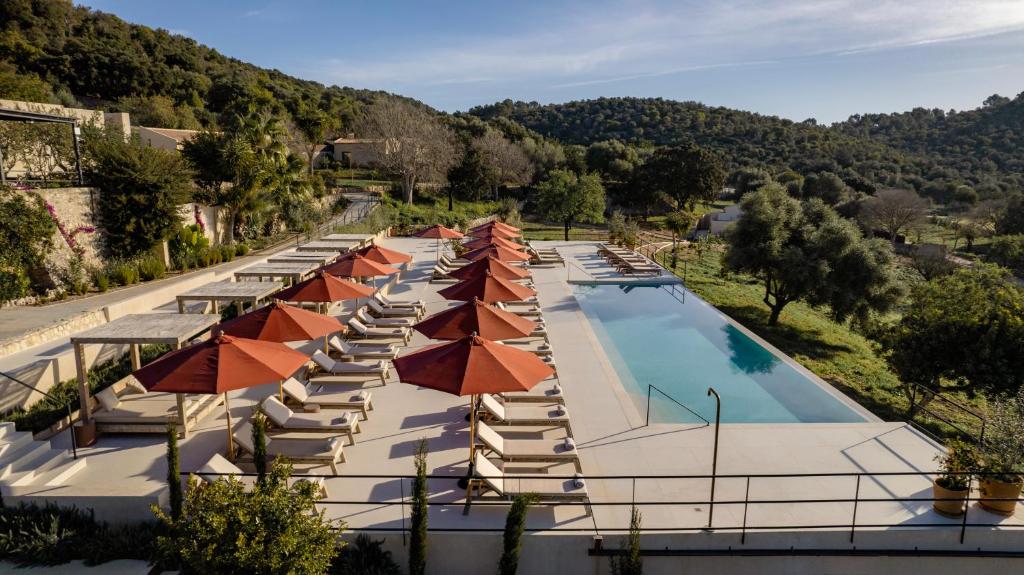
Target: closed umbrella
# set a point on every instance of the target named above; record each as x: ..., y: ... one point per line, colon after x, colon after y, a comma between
x: 438, y: 232
x: 219, y: 365
x: 470, y: 366
x: 491, y: 264
x: 493, y: 250
x: 476, y: 317
x: 487, y: 288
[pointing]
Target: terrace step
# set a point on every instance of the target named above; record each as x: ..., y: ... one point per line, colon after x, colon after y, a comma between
x: 7, y: 428
x: 12, y: 442
x: 22, y: 458
x: 58, y: 468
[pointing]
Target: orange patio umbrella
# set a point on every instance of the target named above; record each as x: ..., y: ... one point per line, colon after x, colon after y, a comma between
x: 491, y: 264
x: 470, y: 366
x: 487, y: 288
x: 493, y: 250
x: 281, y: 322
x: 498, y: 241
x: 219, y: 365
x: 438, y: 232
x: 494, y: 224
x: 383, y: 255
x: 494, y: 232
x: 476, y: 317
x: 324, y: 288
x: 357, y: 266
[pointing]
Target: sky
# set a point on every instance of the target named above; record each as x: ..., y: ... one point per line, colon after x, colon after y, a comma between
x: 799, y: 59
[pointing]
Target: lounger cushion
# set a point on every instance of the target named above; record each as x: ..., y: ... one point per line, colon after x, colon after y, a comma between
x: 276, y: 411
x: 217, y: 467
x: 108, y: 399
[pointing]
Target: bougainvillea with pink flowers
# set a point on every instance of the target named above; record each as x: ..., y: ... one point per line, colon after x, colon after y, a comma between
x: 69, y: 237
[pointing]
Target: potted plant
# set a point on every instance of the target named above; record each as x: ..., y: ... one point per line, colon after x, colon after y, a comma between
x: 951, y: 487
x: 1003, y: 457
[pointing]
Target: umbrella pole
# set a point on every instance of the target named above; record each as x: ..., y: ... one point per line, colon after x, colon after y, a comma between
x: 231, y: 440
x: 464, y: 482
x: 280, y: 388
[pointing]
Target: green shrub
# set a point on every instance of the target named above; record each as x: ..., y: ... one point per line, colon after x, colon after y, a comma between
x: 124, y: 272
x: 1008, y: 251
x: 203, y: 258
x: 364, y: 557
x: 52, y: 535
x: 151, y: 268
x: 241, y: 249
x: 214, y: 256
x: 100, y: 279
x: 515, y: 523
x: 186, y: 244
x: 630, y: 562
x: 270, y: 529
x: 227, y: 253
x: 13, y: 284
x: 418, y: 516
x: 25, y: 238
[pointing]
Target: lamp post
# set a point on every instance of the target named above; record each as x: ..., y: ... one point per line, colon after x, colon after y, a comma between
x: 714, y: 457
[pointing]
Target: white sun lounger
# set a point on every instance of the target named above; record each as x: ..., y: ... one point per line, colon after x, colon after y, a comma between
x: 371, y: 321
x: 399, y: 304
x: 332, y: 366
x: 515, y: 414
x: 540, y: 450
x: 313, y: 450
x: 523, y: 311
x: 360, y: 330
x: 544, y: 392
x: 380, y: 311
x: 363, y: 350
x: 489, y: 478
x: 218, y: 467
x: 344, y: 422
x: 312, y: 394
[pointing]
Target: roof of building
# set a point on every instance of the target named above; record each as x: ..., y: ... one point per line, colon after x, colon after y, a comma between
x: 175, y: 134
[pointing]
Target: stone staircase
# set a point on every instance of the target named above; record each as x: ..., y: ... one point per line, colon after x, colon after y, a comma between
x: 25, y: 461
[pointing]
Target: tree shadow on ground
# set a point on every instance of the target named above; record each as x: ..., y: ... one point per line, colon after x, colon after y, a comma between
x: 790, y: 339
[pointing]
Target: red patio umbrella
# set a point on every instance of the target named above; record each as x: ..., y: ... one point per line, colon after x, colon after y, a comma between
x: 493, y: 250
x: 494, y: 224
x: 357, y: 266
x: 495, y: 232
x: 219, y: 365
x: 476, y: 317
x: 487, y: 288
x: 438, y: 232
x: 497, y: 268
x: 470, y: 366
x: 383, y: 255
x: 324, y: 288
x: 498, y: 241
x: 281, y: 322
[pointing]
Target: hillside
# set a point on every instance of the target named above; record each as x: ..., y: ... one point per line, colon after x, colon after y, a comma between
x: 900, y: 152
x: 50, y: 49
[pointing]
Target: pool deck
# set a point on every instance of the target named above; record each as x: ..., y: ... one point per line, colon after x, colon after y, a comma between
x: 612, y: 439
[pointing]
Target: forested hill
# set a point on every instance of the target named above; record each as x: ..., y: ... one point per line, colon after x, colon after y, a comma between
x: 934, y: 154
x: 52, y: 50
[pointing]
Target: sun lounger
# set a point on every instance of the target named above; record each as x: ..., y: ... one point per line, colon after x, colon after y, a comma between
x: 489, y: 478
x: 543, y: 392
x: 378, y: 310
x: 360, y: 330
x: 440, y: 275
x: 371, y: 321
x: 539, y: 450
x: 126, y: 409
x: 452, y: 264
x: 313, y: 394
x: 307, y: 450
x: 218, y: 467
x: 363, y: 350
x: 524, y: 311
x: 283, y: 418
x: 515, y: 414
x: 398, y: 304
x: 534, y: 346
x: 332, y: 366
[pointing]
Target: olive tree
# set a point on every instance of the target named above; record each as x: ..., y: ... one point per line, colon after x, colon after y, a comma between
x: 894, y: 211
x: 410, y: 142
x: 567, y: 198
x: 806, y: 251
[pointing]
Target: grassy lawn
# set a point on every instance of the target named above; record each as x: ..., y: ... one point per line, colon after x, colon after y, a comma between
x: 540, y: 231
x: 835, y: 352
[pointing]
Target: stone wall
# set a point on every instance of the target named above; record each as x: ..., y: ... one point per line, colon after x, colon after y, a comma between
x: 74, y: 208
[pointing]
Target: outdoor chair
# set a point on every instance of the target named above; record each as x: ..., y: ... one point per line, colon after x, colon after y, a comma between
x: 544, y: 392
x: 283, y: 418
x: 400, y: 304
x: 363, y: 350
x: 370, y: 321
x: 309, y: 394
x: 377, y: 310
x: 218, y: 467
x: 489, y: 478
x: 360, y: 330
x: 528, y: 450
x: 499, y: 414
x: 332, y: 366
x: 524, y: 311
x: 316, y: 451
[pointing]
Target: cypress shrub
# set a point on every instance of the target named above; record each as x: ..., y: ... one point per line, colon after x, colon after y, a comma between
x: 515, y: 523
x: 173, y: 471
x: 259, y: 442
x: 418, y: 537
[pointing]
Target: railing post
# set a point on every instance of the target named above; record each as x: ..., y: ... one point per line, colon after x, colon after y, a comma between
x: 967, y: 509
x: 856, y: 500
x: 647, y: 419
x: 714, y: 457
x: 401, y: 487
x: 746, y: 500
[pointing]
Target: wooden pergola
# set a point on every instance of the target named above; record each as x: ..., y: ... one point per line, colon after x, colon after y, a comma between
x: 318, y: 258
x: 360, y: 240
x: 238, y: 293
x: 327, y: 245
x: 136, y: 330
x: 291, y: 272
x: 9, y: 115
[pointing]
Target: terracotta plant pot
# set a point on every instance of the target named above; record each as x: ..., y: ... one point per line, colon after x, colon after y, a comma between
x: 999, y: 490
x: 949, y: 502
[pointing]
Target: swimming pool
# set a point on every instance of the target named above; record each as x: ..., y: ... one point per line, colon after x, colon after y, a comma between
x: 667, y: 337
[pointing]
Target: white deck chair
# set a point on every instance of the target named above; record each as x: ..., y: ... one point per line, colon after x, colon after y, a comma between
x: 514, y: 414
x: 371, y: 321
x: 540, y: 450
x: 332, y: 366
x: 381, y: 311
x: 363, y: 350
x: 285, y: 419
x: 313, y: 450
x: 397, y: 304
x: 490, y: 478
x: 361, y: 330
x: 312, y: 394
x: 218, y: 467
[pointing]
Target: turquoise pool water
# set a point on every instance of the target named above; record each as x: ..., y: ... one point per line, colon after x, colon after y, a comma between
x: 667, y: 337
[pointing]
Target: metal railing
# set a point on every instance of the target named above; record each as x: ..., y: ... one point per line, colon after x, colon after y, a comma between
x: 71, y: 418
x: 568, y: 271
x: 919, y: 392
x: 855, y: 500
x: 647, y: 417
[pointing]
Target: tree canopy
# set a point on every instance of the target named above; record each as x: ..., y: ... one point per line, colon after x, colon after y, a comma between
x: 686, y: 174
x: 567, y: 198
x: 806, y: 251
